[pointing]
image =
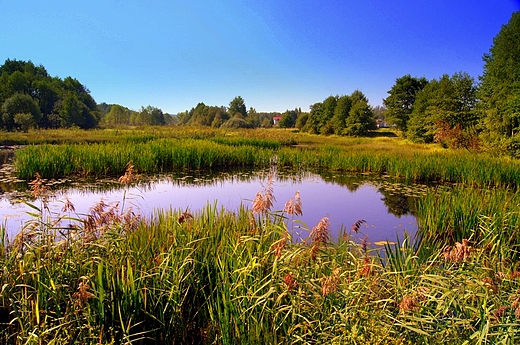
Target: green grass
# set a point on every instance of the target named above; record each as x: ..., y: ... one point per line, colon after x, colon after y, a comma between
x: 233, y: 277
x: 226, y: 277
x: 163, y: 151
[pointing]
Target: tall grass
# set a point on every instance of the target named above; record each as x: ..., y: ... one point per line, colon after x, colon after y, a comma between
x: 232, y: 150
x: 237, y: 277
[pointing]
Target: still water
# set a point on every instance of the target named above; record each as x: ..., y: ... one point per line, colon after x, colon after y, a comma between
x: 386, y: 206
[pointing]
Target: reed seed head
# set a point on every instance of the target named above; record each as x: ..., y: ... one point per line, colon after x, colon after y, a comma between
x: 294, y: 205
x: 38, y: 186
x: 320, y: 233
x: 263, y: 201
x: 129, y: 175
x: 459, y: 252
x: 185, y: 216
x: 357, y: 225
x: 82, y: 296
x: 330, y: 284
x: 290, y: 282
x: 68, y: 206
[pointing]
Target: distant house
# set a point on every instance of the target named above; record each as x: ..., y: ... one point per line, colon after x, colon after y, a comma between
x: 276, y: 119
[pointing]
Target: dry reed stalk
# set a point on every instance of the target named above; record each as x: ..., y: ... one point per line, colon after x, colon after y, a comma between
x: 330, y: 284
x: 293, y: 207
x: 263, y: 201
x: 459, y: 252
x: 38, y: 186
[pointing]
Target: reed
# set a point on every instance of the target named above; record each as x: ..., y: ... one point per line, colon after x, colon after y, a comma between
x: 158, y: 150
x: 221, y: 277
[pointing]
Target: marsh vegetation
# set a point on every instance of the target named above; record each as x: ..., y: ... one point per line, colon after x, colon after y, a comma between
x: 220, y: 276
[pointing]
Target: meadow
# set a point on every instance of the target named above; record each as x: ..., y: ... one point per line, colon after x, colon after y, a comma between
x: 222, y: 276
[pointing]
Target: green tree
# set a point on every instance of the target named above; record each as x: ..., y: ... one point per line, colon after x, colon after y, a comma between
x: 499, y: 92
x: 19, y: 103
x: 237, y: 105
x: 341, y: 112
x: 288, y: 119
x: 117, y: 115
x: 401, y: 100
x: 360, y: 119
x: 301, y: 120
x: 445, y: 112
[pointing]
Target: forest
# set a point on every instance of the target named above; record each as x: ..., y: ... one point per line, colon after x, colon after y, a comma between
x: 453, y: 110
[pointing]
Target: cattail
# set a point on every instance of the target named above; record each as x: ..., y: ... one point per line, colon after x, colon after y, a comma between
x: 320, y: 233
x: 294, y: 205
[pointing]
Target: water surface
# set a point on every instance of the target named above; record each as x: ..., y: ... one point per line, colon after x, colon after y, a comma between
x: 344, y: 199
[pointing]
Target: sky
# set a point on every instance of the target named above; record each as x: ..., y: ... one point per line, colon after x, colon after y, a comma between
x: 275, y: 54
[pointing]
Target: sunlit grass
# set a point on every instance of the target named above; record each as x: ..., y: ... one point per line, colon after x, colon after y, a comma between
x: 226, y: 277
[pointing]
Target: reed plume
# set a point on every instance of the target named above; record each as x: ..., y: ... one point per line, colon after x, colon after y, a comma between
x: 293, y: 207
x: 129, y: 176
x: 320, y: 233
x: 39, y: 187
x: 330, y: 284
x: 459, y: 252
x: 263, y: 201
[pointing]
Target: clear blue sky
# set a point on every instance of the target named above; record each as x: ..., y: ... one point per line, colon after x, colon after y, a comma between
x: 276, y: 54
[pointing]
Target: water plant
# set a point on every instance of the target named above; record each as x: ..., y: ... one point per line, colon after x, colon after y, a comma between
x: 225, y: 277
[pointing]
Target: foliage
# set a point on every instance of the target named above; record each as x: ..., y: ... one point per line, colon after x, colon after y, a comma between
x: 444, y: 111
x: 237, y: 106
x: 20, y: 103
x: 401, y: 99
x: 333, y: 116
x: 222, y: 277
x: 58, y: 102
x: 500, y: 83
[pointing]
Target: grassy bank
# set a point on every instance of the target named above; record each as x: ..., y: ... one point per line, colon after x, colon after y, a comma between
x: 221, y: 277
x: 244, y: 149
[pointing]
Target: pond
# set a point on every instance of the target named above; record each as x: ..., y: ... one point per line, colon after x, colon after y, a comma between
x: 385, y: 206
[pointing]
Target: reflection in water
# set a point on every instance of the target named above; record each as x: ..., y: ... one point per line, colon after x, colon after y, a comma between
x: 344, y: 199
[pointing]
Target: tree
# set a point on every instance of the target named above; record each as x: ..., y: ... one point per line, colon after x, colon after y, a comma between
x: 360, y: 119
x: 117, y: 115
x: 237, y: 105
x: 401, y: 100
x: 288, y: 119
x: 20, y: 103
x: 444, y: 111
x: 341, y: 112
x: 499, y: 92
